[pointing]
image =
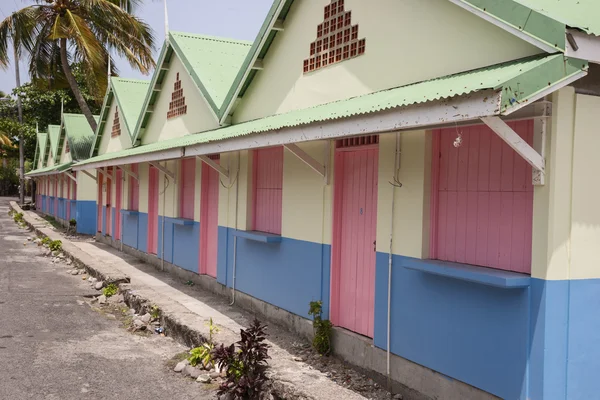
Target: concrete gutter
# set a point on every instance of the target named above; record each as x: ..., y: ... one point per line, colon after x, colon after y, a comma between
x: 185, y: 318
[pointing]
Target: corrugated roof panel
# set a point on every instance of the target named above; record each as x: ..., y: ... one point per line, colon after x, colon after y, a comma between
x: 48, y: 170
x: 54, y: 136
x: 215, y: 61
x: 130, y: 94
x: 80, y: 135
x: 581, y: 14
x: 518, y: 81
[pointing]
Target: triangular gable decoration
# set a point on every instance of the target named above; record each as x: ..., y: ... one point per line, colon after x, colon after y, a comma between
x: 177, y: 105
x: 116, y: 128
x: 337, y: 39
x: 67, y: 148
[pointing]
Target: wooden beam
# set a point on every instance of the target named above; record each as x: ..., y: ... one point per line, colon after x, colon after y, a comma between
x: 90, y: 175
x: 68, y: 174
x: 515, y: 141
x: 214, y: 165
x: 306, y: 158
x: 128, y: 171
x: 164, y: 170
x: 278, y: 25
x: 258, y: 64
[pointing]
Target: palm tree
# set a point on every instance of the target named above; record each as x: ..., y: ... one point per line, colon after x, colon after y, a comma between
x: 57, y: 33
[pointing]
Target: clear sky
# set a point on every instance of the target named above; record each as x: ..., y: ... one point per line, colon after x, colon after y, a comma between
x: 237, y: 19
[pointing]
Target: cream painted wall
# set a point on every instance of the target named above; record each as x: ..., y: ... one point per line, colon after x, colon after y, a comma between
x: 86, y: 186
x: 585, y: 216
x: 64, y: 156
x: 168, y: 191
x: 411, y: 204
x: 109, y: 144
x: 552, y: 202
x: 239, y: 184
x: 307, y: 201
x: 143, y: 197
x: 406, y: 41
x: 199, y: 115
x: 50, y: 159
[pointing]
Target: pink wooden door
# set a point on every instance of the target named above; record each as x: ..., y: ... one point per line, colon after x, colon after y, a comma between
x: 482, y: 203
x: 56, y: 196
x: 68, y: 201
x: 100, y: 205
x: 354, y: 236
x: 268, y: 189
x: 153, y: 211
x: 109, y: 203
x: 118, y: 201
x: 209, y: 220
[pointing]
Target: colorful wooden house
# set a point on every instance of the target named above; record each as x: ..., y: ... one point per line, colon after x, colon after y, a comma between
x: 61, y: 193
x: 420, y: 167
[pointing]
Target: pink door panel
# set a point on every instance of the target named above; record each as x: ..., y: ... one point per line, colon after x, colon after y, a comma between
x: 118, y: 202
x: 153, y: 211
x: 482, y: 208
x: 68, y: 202
x: 209, y: 220
x: 109, y: 203
x: 100, y: 205
x: 268, y: 184
x: 355, y: 218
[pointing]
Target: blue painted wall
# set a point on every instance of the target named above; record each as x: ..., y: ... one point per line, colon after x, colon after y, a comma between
x: 168, y: 244
x: 474, y: 333
x: 287, y: 274
x: 86, y: 216
x: 113, y: 223
x: 186, y: 246
x: 103, y: 221
x: 142, y: 232
x: 43, y: 205
x: 130, y: 230
x: 73, y: 210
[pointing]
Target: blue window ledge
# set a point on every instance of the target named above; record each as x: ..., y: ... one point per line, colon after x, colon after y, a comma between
x: 179, y: 221
x: 258, y: 236
x: 471, y: 273
x: 130, y: 212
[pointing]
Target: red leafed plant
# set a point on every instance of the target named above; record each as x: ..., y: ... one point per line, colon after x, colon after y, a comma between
x: 245, y: 367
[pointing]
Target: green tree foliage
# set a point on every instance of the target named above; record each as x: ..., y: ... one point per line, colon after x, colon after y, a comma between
x: 60, y: 33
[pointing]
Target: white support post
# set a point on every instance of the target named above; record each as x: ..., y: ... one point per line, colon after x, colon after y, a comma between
x: 129, y: 172
x: 307, y: 159
x: 327, y: 161
x: 214, y: 165
x: 90, y: 175
x: 529, y: 154
x: 164, y: 170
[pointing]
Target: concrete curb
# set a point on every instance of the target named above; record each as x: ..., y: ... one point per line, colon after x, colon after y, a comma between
x: 97, y: 269
x: 290, y: 379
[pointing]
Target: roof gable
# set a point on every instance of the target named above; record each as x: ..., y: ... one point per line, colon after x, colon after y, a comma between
x: 76, y: 129
x: 580, y: 14
x: 40, y: 149
x: 130, y: 95
x: 53, y: 139
x: 212, y: 63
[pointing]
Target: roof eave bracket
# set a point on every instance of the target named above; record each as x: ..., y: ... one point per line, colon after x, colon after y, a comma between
x: 214, y: 165
x: 164, y: 170
x: 316, y: 166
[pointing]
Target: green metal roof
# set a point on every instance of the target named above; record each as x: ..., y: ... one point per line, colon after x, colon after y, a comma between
x: 40, y: 148
x: 517, y: 81
x: 79, y: 134
x: 212, y: 62
x: 54, y: 136
x: 130, y: 95
x: 50, y: 170
x: 580, y: 14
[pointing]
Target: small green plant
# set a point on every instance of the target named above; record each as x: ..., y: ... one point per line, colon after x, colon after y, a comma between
x: 55, y: 245
x: 18, y: 217
x: 322, y: 339
x: 212, y: 330
x: 46, y: 241
x: 72, y: 222
x: 245, y: 367
x: 202, y: 355
x: 110, y: 290
x: 155, y: 312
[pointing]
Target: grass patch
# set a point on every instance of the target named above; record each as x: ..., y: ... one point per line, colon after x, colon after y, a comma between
x: 50, y: 219
x: 176, y: 359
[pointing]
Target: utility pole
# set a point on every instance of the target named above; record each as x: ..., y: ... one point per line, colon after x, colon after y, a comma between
x: 21, y: 136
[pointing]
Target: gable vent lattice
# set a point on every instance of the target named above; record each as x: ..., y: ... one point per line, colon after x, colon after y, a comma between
x: 337, y: 39
x: 177, y: 105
